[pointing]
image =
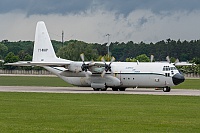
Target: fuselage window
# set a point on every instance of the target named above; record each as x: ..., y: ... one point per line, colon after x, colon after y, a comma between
x: 168, y: 69
x: 167, y: 74
x: 172, y: 72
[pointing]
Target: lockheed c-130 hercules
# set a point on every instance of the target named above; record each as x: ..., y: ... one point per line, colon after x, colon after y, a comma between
x: 101, y: 75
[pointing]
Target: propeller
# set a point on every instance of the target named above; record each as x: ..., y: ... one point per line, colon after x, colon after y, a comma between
x: 85, y: 66
x: 107, y: 66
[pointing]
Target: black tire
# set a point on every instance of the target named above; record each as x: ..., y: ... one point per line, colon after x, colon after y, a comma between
x: 96, y: 89
x: 104, y: 89
x: 115, y: 89
x: 122, y: 89
x: 166, y: 89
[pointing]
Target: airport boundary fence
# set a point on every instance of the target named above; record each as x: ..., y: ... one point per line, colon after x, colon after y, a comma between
x: 26, y: 72
x: 45, y: 72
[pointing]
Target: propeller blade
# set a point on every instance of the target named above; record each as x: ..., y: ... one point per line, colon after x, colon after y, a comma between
x: 176, y: 61
x: 113, y: 59
x: 152, y: 57
x: 87, y: 74
x: 103, y: 73
x: 168, y: 59
x: 91, y: 63
x: 82, y: 56
x: 103, y: 60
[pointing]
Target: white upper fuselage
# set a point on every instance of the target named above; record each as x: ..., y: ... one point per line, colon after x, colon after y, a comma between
x: 130, y: 74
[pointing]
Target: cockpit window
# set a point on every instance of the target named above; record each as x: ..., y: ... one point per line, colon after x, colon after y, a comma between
x: 173, y: 68
x: 166, y: 68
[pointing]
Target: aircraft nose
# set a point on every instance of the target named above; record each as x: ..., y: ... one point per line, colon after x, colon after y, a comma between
x: 178, y: 78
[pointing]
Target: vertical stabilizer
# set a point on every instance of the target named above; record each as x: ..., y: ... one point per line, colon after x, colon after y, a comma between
x: 43, y: 48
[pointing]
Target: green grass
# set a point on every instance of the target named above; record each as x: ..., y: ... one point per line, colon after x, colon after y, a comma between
x: 32, y: 81
x: 40, y: 112
x: 189, y: 84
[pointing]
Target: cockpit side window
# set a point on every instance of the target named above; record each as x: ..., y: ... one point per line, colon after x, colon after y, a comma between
x: 173, y: 68
x: 166, y: 68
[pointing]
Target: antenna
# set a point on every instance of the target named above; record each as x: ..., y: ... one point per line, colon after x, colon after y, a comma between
x: 62, y: 38
x: 108, y: 35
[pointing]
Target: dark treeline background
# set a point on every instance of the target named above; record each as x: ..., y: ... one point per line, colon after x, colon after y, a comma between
x: 183, y: 50
x: 129, y: 51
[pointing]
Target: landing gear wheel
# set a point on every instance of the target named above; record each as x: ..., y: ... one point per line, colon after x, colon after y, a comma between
x: 96, y: 89
x: 122, y: 89
x: 115, y: 89
x: 104, y: 89
x: 167, y: 89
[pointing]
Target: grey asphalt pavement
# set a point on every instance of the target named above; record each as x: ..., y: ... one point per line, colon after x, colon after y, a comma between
x: 87, y: 90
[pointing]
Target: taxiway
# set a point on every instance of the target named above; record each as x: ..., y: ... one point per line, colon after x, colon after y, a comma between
x: 87, y: 90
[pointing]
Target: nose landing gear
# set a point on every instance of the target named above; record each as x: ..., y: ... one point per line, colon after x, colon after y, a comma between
x: 166, y: 89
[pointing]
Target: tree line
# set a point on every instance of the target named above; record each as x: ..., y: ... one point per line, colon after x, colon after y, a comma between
x: 183, y: 50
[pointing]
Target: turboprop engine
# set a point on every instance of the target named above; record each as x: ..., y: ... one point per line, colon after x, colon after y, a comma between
x: 112, y: 81
x: 74, y: 67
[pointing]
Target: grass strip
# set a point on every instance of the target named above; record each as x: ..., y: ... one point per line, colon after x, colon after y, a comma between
x: 32, y: 81
x: 41, y: 112
x: 189, y: 84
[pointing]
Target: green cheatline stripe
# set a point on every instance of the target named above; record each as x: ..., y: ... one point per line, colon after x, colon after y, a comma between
x: 142, y: 73
x: 135, y: 73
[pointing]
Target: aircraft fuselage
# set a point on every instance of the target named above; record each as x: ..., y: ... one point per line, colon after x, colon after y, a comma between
x: 125, y: 74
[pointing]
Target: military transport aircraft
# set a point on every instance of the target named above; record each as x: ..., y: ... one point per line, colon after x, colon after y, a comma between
x: 101, y: 75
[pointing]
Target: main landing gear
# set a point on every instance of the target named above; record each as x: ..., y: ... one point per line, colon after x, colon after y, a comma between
x: 166, y: 89
x: 120, y: 89
x: 105, y: 89
x: 100, y: 89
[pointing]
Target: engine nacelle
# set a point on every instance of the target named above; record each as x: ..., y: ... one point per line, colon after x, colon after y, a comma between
x: 98, y: 69
x: 98, y: 85
x: 112, y: 81
x: 74, y: 67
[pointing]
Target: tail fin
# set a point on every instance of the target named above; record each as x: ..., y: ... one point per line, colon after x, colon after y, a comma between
x: 43, y: 48
x: 43, y: 52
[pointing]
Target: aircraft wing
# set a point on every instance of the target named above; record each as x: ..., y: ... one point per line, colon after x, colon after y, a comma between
x: 30, y: 63
x: 184, y: 64
x: 60, y: 63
